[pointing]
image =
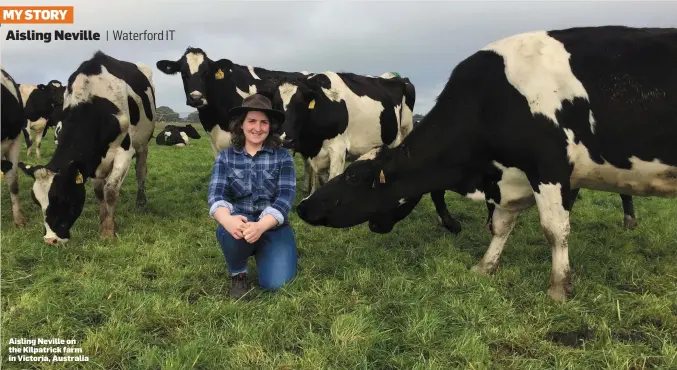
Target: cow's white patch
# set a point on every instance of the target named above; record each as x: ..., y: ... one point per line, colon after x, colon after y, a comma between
x: 184, y: 137
x: 195, y: 94
x: 404, y: 200
x: 220, y: 139
x: 287, y: 91
x: 305, y: 73
x: 244, y: 94
x: 10, y: 86
x: 516, y: 191
x: 591, y: 119
x: 476, y: 196
x: 364, y: 129
x: 537, y: 65
x: 168, y: 134
x: 55, y: 84
x: 645, y: 178
x: 57, y: 130
x: 103, y: 85
x: 251, y: 71
x: 194, y: 61
x: 503, y: 222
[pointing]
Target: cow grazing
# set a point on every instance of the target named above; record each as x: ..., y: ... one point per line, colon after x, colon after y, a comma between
x: 41, y: 102
x: 108, y: 118
x: 524, y: 121
x: 214, y: 87
x: 13, y: 122
x: 176, y: 135
x: 333, y: 117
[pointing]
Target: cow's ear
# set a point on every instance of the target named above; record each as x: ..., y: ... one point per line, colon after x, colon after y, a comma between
x: 168, y: 67
x: 28, y: 169
x: 223, y: 64
x: 74, y: 172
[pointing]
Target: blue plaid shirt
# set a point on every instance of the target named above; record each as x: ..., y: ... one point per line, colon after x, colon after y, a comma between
x: 253, y: 186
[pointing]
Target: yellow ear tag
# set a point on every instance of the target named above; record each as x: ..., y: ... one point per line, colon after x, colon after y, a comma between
x: 2, y: 175
x: 382, y: 177
x: 78, y: 178
x: 219, y: 74
x: 312, y: 104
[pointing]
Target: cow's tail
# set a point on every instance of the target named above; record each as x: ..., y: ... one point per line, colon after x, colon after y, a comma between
x: 407, y: 115
x: 27, y: 137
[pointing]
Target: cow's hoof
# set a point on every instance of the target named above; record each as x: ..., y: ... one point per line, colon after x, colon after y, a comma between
x: 483, y: 270
x: 558, y: 293
x: 630, y: 222
x: 20, y: 221
x: 451, y: 224
x: 141, y: 200
x: 487, y: 228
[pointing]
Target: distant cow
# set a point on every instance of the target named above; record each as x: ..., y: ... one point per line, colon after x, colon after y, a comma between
x: 333, y: 117
x: 524, y: 121
x: 176, y: 135
x: 214, y: 87
x: 40, y: 103
x: 13, y: 122
x: 108, y: 118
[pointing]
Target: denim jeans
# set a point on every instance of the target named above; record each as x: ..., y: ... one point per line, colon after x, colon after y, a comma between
x: 275, y: 254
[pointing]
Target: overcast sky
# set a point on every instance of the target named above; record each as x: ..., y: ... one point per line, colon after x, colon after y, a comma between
x: 421, y: 40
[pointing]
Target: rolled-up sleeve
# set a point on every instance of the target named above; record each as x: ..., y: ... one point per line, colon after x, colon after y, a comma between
x: 286, y: 190
x: 217, y: 186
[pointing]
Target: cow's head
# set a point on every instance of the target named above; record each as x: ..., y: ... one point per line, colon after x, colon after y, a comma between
x: 61, y: 196
x: 56, y: 92
x: 190, y: 131
x: 197, y: 71
x: 351, y: 198
x: 298, y: 101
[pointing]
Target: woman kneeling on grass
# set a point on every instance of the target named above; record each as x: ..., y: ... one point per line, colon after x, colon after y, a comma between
x: 251, y: 191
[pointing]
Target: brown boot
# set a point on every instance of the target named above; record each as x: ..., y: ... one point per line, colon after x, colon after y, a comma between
x: 238, y: 285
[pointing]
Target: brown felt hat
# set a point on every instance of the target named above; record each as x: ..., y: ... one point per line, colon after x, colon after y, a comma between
x: 259, y: 103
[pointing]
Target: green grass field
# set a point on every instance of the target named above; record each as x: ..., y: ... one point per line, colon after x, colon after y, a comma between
x: 157, y: 297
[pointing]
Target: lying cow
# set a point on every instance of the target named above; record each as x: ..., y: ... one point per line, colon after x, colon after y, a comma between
x: 523, y: 122
x: 108, y: 118
x: 41, y: 102
x: 176, y: 135
x: 13, y: 123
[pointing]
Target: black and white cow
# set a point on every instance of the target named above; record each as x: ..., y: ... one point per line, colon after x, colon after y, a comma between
x: 13, y: 122
x: 108, y: 118
x: 41, y: 102
x: 214, y: 87
x: 333, y: 117
x: 524, y: 121
x: 173, y: 135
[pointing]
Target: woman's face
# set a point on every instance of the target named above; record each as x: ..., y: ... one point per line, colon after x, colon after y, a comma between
x: 256, y: 127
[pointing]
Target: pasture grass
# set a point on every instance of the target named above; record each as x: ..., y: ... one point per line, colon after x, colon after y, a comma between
x: 157, y: 297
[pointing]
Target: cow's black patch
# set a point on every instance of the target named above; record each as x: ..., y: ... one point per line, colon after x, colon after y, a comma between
x: 134, y: 114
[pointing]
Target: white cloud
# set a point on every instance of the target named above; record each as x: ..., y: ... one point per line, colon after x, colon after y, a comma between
x: 419, y: 39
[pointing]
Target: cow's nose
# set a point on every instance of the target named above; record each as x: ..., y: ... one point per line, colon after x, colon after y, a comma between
x: 51, y: 241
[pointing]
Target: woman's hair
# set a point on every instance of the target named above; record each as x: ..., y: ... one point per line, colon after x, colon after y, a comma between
x: 238, y: 139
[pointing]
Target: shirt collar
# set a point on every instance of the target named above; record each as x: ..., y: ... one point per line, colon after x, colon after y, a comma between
x: 264, y: 148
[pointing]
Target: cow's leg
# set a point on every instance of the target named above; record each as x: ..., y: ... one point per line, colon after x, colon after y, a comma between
x: 141, y: 173
x: 38, y: 140
x: 98, y: 185
x: 490, y: 213
x: 443, y: 215
x: 111, y: 190
x: 12, y: 178
x: 629, y: 219
x: 337, y: 159
x: 308, y: 171
x: 554, y: 203
x: 30, y: 137
x: 502, y: 223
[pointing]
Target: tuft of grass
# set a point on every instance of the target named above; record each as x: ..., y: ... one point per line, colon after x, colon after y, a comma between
x: 157, y: 297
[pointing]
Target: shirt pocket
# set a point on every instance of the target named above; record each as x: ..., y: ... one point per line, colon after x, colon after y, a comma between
x: 269, y: 181
x: 238, y: 182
